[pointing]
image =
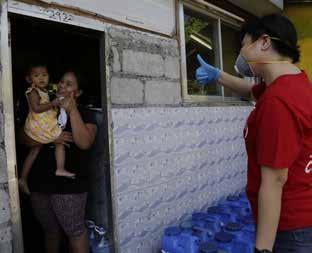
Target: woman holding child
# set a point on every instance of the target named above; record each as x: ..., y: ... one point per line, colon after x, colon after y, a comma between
x: 59, y: 201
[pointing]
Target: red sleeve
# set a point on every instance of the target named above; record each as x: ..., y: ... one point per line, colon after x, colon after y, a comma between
x: 278, y: 139
x: 257, y: 90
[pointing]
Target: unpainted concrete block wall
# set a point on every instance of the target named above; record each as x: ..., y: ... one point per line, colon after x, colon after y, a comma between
x: 5, y: 217
x: 144, y: 68
x: 5, y: 224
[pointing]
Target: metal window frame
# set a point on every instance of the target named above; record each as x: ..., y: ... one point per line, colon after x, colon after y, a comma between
x: 221, y: 16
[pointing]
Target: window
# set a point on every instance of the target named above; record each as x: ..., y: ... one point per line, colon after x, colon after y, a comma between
x: 230, y: 50
x: 214, y: 37
x: 200, y: 38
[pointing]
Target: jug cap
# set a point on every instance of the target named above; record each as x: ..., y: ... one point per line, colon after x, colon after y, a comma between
x: 198, y: 216
x: 243, y: 194
x: 210, y: 217
x: 249, y: 220
x: 233, y: 226
x: 232, y: 198
x: 224, y: 237
x: 246, y: 219
x: 172, y: 231
x: 208, y: 247
x: 186, y: 225
x: 214, y: 209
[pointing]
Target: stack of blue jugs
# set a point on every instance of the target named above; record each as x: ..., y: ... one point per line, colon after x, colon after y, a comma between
x: 176, y: 240
x: 225, y: 228
x: 97, y: 238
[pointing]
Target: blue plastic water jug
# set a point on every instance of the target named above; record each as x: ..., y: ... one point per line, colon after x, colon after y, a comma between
x: 249, y: 228
x: 186, y: 227
x: 248, y: 223
x: 235, y: 229
x: 169, y: 242
x: 204, y: 234
x: 243, y: 195
x: 176, y: 241
x: 187, y: 244
x: 235, y: 205
x: 205, y: 220
x: 227, y: 242
x: 223, y: 214
x: 90, y: 226
x: 244, y: 200
x: 101, y: 244
x: 198, y: 219
x: 241, y: 234
x: 210, y: 247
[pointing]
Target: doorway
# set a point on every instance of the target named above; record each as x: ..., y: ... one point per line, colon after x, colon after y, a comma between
x: 63, y: 47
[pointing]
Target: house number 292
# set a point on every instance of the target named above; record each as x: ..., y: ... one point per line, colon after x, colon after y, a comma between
x: 59, y: 15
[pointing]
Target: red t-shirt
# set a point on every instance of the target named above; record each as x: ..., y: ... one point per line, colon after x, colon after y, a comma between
x: 278, y: 134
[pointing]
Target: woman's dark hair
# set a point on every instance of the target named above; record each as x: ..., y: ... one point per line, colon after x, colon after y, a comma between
x: 76, y: 74
x: 280, y: 28
x: 80, y: 83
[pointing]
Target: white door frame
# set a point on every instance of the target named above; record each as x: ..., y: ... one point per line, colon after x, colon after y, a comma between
x: 56, y: 15
x: 9, y: 132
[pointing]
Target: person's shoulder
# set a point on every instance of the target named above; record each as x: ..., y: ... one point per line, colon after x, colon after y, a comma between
x: 36, y: 91
x: 292, y: 86
x: 257, y: 90
x: 88, y: 115
x: 32, y: 90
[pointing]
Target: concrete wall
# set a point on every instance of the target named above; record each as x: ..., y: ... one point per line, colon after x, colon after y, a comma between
x: 144, y: 68
x: 5, y: 219
x: 5, y: 225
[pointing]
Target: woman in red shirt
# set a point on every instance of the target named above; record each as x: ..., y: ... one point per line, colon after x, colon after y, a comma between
x: 278, y: 133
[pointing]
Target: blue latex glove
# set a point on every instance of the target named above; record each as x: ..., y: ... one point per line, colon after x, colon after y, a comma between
x: 206, y: 73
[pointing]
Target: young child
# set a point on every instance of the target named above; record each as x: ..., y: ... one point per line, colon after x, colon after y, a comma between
x: 42, y: 124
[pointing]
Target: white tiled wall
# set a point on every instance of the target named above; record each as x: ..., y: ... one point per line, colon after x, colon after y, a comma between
x: 170, y: 162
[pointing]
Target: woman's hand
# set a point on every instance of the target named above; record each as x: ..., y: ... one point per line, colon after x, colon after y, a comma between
x: 69, y: 103
x: 65, y: 138
x: 56, y: 102
x: 206, y: 73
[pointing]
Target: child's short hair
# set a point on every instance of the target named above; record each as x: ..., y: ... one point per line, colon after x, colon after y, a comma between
x: 33, y: 65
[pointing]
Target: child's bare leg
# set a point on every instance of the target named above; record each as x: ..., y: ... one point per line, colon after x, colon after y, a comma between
x: 60, y: 161
x: 31, y: 157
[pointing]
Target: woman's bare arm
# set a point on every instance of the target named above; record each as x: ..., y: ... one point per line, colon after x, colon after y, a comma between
x: 83, y: 134
x: 235, y: 83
